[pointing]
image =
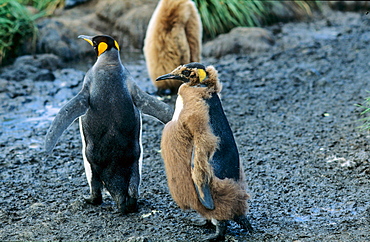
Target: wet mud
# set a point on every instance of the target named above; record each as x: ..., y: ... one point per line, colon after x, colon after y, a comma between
x: 295, y: 118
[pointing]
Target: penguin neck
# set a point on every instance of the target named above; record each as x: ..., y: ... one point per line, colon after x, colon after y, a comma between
x: 213, y: 85
x: 110, y: 57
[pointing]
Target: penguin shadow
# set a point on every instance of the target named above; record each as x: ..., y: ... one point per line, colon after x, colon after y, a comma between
x: 234, y: 230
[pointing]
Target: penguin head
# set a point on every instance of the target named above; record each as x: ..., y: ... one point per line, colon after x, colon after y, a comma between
x: 101, y: 43
x: 193, y: 73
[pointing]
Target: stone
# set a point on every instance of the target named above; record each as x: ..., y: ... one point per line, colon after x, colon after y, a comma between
x: 349, y: 5
x: 45, y: 61
x: 72, y: 3
x: 240, y: 40
x: 32, y: 67
x: 59, y: 37
x: 131, y: 27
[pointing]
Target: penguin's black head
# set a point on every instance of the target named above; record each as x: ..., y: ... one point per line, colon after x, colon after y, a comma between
x: 193, y: 73
x: 101, y: 43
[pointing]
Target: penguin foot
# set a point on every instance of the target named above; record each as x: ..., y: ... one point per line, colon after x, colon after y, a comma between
x: 200, y: 222
x: 128, y: 206
x: 221, y: 228
x: 94, y: 200
x: 244, y: 223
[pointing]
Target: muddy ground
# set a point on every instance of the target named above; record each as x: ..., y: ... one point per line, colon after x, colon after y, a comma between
x: 293, y: 111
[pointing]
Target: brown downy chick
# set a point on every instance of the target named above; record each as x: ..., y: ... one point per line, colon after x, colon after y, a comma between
x: 173, y: 37
x: 199, y: 151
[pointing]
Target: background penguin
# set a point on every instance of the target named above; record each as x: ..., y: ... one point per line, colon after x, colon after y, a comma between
x: 173, y: 37
x: 199, y: 151
x: 110, y: 125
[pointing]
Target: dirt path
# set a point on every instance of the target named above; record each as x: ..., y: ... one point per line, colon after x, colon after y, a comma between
x: 294, y: 114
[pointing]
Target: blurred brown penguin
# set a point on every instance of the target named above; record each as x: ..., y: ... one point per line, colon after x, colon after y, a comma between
x: 199, y: 151
x: 173, y: 38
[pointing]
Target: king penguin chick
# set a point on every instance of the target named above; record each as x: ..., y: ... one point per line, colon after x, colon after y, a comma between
x: 110, y: 125
x: 199, y: 151
x: 173, y: 38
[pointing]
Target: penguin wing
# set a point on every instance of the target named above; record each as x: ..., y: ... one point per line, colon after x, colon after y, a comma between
x: 203, y: 192
x: 207, y: 199
x: 75, y: 108
x: 148, y: 104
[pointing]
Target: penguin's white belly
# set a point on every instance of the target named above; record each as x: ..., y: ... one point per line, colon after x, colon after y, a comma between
x: 87, y: 165
x: 141, y: 147
x: 178, y: 108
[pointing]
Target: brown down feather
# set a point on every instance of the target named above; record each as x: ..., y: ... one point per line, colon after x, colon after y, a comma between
x: 191, y: 132
x: 173, y: 37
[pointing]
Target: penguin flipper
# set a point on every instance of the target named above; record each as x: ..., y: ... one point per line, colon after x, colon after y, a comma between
x: 207, y: 199
x: 75, y: 108
x: 148, y: 104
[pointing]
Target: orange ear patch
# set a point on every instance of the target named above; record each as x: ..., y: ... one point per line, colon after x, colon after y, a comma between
x: 202, y: 74
x: 116, y: 44
x: 102, y: 47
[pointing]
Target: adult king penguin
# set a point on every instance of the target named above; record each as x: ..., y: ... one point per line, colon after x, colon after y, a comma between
x: 110, y: 125
x: 173, y: 38
x: 199, y: 151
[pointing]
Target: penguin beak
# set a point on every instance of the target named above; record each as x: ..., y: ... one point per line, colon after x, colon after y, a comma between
x: 172, y: 76
x: 87, y: 38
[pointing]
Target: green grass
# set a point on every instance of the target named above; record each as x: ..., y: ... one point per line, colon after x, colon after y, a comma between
x: 220, y: 16
x: 365, y: 113
x: 46, y: 7
x: 17, y: 24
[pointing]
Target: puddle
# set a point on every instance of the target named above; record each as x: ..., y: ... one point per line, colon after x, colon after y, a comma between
x: 20, y: 128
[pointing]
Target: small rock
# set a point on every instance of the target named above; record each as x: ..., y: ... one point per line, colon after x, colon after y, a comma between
x: 3, y: 85
x: 72, y: 3
x: 44, y: 61
x: 60, y: 38
x: 37, y: 205
x: 326, y: 34
x: 44, y: 75
x: 240, y: 40
x: 349, y: 5
x: 36, y: 68
x: 131, y: 27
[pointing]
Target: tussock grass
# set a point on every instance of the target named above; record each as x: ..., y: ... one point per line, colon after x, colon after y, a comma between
x: 45, y: 7
x: 220, y: 16
x: 17, y: 24
x: 366, y: 110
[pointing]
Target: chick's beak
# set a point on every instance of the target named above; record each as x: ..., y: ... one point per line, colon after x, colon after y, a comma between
x: 87, y: 38
x: 172, y: 76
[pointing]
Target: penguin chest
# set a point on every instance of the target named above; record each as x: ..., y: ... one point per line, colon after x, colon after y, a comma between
x: 178, y: 108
